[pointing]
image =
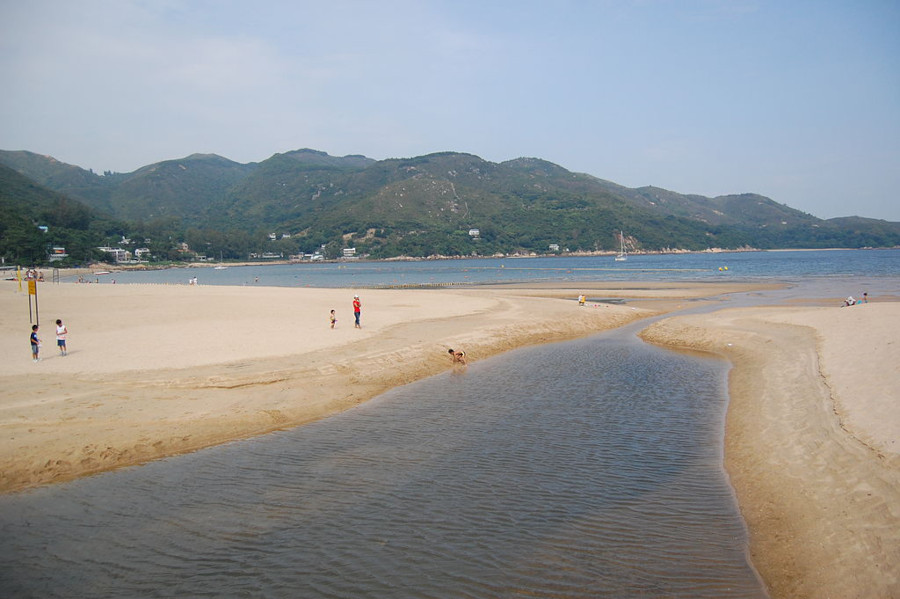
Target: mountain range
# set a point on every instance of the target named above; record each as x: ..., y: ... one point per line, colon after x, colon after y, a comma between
x: 445, y: 203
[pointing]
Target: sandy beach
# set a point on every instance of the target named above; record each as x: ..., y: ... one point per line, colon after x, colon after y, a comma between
x: 811, y: 440
x: 158, y: 370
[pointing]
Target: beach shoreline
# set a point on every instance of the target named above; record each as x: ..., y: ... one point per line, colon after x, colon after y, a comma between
x: 159, y: 370
x: 92, y: 269
x: 812, y: 440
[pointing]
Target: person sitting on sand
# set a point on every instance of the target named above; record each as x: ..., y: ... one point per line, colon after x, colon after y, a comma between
x: 849, y: 301
x: 458, y: 357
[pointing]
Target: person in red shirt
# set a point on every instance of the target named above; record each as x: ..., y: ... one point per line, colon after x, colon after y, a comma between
x: 356, y: 310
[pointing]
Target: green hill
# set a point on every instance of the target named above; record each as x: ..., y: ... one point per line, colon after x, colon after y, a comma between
x: 184, y: 189
x: 427, y: 205
x: 33, y: 219
x: 83, y: 185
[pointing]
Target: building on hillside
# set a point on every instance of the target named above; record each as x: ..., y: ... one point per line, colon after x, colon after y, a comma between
x: 117, y: 254
x: 58, y: 253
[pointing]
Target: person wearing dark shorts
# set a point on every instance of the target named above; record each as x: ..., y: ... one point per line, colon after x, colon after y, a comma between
x: 61, y: 333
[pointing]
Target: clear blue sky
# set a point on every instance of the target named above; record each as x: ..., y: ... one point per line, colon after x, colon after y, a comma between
x: 795, y: 100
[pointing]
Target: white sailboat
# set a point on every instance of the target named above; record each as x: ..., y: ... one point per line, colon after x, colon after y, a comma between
x: 622, y: 255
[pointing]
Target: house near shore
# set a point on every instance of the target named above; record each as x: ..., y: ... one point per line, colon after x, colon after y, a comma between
x: 117, y: 254
x: 316, y: 257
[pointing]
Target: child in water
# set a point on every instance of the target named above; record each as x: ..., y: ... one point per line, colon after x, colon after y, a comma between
x: 458, y: 357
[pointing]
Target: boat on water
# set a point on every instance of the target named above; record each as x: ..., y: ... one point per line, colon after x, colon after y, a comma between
x: 220, y: 268
x: 622, y: 255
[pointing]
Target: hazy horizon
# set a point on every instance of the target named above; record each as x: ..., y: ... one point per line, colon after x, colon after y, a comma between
x: 794, y: 101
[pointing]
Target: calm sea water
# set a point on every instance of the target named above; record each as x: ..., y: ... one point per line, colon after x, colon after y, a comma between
x: 671, y: 267
x: 585, y: 469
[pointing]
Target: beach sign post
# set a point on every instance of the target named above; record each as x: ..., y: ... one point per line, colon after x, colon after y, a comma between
x: 32, y: 290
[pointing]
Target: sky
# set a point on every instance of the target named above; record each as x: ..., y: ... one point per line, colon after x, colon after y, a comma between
x: 795, y: 100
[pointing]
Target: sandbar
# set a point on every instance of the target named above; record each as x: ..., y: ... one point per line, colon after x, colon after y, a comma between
x: 811, y: 440
x: 157, y: 370
x: 811, y: 443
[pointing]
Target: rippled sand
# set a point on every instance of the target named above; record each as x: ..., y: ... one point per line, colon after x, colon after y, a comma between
x: 160, y: 370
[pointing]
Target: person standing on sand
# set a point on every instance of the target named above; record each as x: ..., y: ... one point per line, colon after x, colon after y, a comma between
x: 356, y: 310
x: 333, y: 319
x: 61, y: 332
x: 35, y: 344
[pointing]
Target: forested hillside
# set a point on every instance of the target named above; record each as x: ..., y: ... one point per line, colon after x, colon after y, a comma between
x: 440, y: 204
x: 33, y: 219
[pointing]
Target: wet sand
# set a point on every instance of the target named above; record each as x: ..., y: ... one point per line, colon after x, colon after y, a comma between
x: 157, y: 370
x: 812, y: 442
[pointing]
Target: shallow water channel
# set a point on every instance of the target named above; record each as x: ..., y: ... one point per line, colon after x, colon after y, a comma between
x: 590, y: 468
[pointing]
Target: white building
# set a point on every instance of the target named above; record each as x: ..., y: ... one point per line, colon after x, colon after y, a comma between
x: 117, y: 254
x: 58, y: 253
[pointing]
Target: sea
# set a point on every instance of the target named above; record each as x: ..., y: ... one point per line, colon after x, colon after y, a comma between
x: 744, y: 266
x: 590, y: 468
